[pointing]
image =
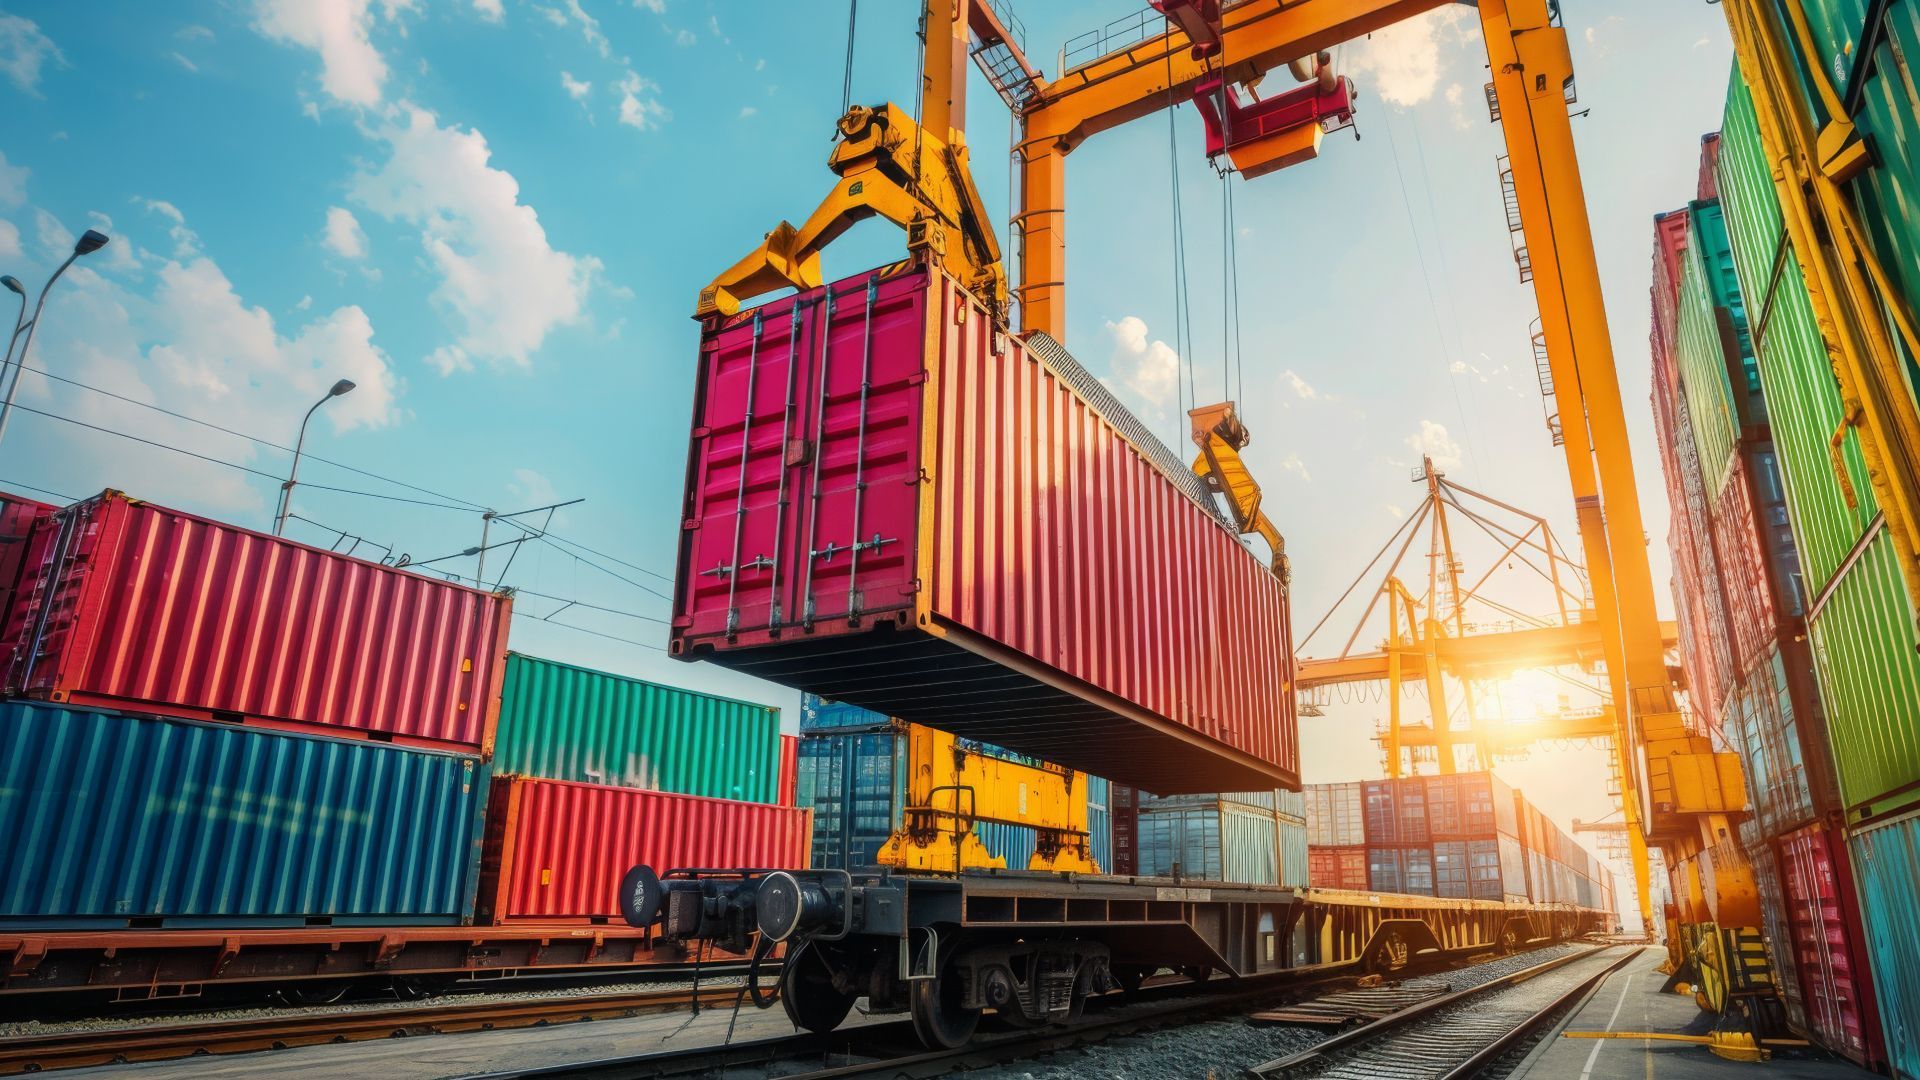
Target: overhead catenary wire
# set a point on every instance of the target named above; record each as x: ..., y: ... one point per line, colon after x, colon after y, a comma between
x: 1182, y: 316
x: 846, y: 79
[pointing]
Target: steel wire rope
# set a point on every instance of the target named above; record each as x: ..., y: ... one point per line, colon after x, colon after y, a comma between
x: 1182, y: 315
x: 1433, y: 304
x: 846, y: 78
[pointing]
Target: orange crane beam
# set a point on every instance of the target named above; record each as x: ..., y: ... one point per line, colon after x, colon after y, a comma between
x: 1476, y: 656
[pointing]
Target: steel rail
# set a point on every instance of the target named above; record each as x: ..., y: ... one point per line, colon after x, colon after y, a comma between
x: 118, y: 1046
x: 1320, y: 1055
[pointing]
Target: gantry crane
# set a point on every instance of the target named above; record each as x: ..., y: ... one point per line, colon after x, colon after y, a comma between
x: 1678, y: 791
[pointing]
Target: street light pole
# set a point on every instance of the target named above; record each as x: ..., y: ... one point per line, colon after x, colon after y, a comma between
x: 90, y: 241
x: 19, y: 320
x: 286, y: 489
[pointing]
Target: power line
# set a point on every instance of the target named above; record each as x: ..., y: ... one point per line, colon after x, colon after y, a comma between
x: 584, y: 630
x: 251, y: 438
x: 10, y: 484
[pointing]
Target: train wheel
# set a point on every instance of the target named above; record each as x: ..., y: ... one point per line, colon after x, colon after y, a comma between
x: 812, y: 1002
x: 939, y: 1016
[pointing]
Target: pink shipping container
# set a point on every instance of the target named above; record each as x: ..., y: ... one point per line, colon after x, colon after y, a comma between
x: 1824, y: 921
x: 129, y: 605
x: 1740, y: 549
x: 556, y: 850
x: 789, y: 788
x: 942, y: 523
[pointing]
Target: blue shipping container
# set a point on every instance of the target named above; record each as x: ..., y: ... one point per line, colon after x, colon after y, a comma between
x: 1886, y: 864
x: 116, y: 820
x: 855, y: 782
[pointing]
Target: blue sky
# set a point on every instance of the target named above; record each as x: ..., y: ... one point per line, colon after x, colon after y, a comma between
x: 494, y: 215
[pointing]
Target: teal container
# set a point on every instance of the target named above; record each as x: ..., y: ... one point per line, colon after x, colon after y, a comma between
x: 1886, y: 867
x: 1221, y: 840
x: 117, y: 821
x: 561, y: 722
x: 1712, y: 342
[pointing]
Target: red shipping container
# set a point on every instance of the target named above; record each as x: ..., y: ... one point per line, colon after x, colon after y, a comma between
x: 19, y: 519
x: 129, y: 605
x: 556, y: 850
x: 1669, y: 252
x: 1740, y: 550
x: 892, y: 503
x: 1708, y: 186
x: 789, y: 787
x: 1470, y: 806
x: 1337, y: 868
x: 1825, y: 923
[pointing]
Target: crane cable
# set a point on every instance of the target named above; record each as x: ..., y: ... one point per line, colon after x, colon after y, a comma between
x: 846, y: 79
x: 1182, y: 318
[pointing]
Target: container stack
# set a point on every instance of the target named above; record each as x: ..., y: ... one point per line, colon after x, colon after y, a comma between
x: 1465, y: 836
x: 210, y: 726
x: 595, y: 772
x: 852, y: 773
x: 1243, y: 837
x: 1797, y: 636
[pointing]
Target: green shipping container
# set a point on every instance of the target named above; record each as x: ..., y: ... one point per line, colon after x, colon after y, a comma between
x: 1888, y: 195
x: 1713, y: 325
x: 560, y: 722
x: 1860, y: 614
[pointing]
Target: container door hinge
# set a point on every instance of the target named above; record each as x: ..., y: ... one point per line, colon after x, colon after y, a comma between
x: 874, y: 544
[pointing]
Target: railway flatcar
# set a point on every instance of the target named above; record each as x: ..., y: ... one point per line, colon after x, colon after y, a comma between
x: 1031, y: 947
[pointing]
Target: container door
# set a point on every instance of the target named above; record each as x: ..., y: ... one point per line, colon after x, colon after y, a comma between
x: 802, y: 496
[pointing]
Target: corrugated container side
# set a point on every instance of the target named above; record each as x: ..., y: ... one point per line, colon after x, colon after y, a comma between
x: 1336, y: 815
x: 789, y: 770
x: 1126, y: 830
x: 1226, y: 842
x: 1032, y: 553
x: 820, y: 714
x: 1669, y: 259
x: 19, y: 519
x: 1382, y: 812
x: 1765, y: 727
x: 1705, y: 344
x: 1822, y: 944
x: 1869, y: 662
x: 1778, y: 931
x: 563, y: 722
x: 1410, y: 798
x: 1886, y: 863
x: 1293, y: 851
x: 1513, y: 871
x: 1887, y: 193
x: 1740, y: 549
x: 1706, y: 186
x: 1406, y: 869
x: 556, y: 850
x: 138, y: 605
x: 1338, y: 868
x: 114, y: 817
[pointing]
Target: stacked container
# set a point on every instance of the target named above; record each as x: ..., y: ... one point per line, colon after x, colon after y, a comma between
x: 596, y: 772
x: 1459, y: 836
x: 217, y: 727
x: 852, y: 773
x: 1806, y: 661
x: 1246, y: 837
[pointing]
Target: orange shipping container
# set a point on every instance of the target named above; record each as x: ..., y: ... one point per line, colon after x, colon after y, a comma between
x: 556, y: 850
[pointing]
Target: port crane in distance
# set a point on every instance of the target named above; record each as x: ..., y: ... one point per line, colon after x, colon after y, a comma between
x: 1680, y: 794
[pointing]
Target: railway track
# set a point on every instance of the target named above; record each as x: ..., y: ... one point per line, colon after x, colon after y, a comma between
x: 1458, y: 1035
x: 159, y: 1042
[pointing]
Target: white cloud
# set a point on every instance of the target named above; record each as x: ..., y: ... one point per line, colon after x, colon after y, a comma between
x: 644, y: 113
x: 532, y: 488
x: 1458, y: 367
x: 1148, y: 370
x: 351, y: 68
x: 186, y: 243
x: 1298, y: 385
x: 1402, y: 63
x: 589, y: 26
x: 504, y: 286
x: 24, y: 50
x: 576, y: 88
x: 193, y: 33
x: 1292, y: 463
x: 184, y: 62
x: 305, y: 303
x: 490, y: 10
x: 684, y: 38
x: 13, y: 183
x: 344, y: 236
x: 1394, y: 511
x: 9, y: 239
x: 1434, y: 442
x: 55, y: 239
x: 747, y: 111
x: 119, y: 255
x: 658, y: 7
